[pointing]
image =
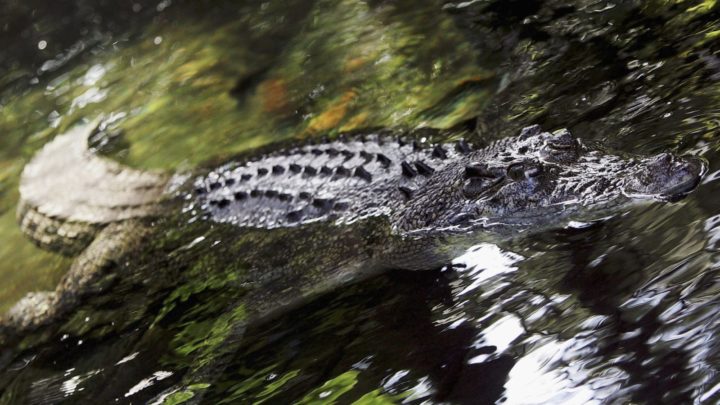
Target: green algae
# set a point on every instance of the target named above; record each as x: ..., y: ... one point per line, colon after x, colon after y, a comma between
x: 377, y: 397
x: 276, y: 385
x: 331, y: 390
x: 179, y: 397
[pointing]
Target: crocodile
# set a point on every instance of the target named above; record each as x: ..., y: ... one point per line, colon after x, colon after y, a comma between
x: 415, y: 195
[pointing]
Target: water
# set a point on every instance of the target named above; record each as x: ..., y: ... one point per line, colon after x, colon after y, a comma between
x: 623, y: 310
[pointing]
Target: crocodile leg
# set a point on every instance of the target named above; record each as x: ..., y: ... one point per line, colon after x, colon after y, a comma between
x: 91, y: 272
x: 79, y: 204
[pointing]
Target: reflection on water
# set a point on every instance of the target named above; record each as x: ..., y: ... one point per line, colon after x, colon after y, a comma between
x: 622, y: 310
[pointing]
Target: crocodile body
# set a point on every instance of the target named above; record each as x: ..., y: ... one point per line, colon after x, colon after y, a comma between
x: 342, y: 211
x: 76, y: 202
x: 534, y: 180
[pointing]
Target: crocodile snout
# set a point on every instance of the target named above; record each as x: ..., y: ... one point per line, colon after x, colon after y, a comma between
x: 666, y: 176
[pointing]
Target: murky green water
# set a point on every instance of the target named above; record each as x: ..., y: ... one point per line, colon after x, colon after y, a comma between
x: 623, y: 311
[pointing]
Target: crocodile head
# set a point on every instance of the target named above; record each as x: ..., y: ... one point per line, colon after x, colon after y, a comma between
x: 541, y: 178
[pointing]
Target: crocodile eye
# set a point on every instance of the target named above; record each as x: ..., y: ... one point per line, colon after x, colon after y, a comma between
x: 479, y: 170
x: 479, y: 178
x: 524, y: 170
x: 561, y: 148
x: 472, y: 188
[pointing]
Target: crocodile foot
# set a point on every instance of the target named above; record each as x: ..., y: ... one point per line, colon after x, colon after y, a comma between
x: 33, y: 310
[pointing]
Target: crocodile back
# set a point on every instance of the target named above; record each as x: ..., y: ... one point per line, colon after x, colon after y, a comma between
x: 343, y: 180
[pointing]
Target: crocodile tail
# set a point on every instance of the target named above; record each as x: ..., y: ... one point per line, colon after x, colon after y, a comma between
x: 68, y: 193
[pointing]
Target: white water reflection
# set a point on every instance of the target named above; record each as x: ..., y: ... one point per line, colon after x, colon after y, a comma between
x: 73, y: 384
x: 93, y: 75
x: 148, y: 382
x: 483, y: 262
x: 90, y: 96
x: 500, y: 335
x: 549, y: 369
x: 553, y: 373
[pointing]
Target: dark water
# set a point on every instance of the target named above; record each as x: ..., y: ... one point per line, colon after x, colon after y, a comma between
x: 621, y: 311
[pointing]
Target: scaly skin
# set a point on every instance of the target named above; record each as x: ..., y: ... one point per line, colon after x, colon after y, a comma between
x: 68, y: 193
x: 536, y: 180
x: 73, y: 201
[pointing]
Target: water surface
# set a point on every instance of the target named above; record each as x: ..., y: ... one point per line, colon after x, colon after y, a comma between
x: 623, y: 310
